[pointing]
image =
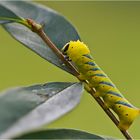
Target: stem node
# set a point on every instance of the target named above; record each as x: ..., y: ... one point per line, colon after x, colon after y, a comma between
x: 37, y: 28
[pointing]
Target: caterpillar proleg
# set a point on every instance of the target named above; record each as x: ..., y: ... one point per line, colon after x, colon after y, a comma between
x: 79, y: 54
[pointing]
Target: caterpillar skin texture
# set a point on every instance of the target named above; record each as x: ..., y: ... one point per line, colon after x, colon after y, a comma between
x: 80, y: 55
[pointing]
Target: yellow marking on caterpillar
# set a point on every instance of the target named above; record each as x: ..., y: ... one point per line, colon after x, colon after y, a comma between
x: 80, y: 55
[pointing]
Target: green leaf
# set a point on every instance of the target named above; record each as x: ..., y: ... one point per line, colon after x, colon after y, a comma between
x: 26, y: 108
x: 61, y: 134
x: 59, y: 30
x: 7, y: 16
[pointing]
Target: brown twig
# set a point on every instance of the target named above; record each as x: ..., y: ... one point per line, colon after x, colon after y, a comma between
x: 38, y: 29
x: 111, y: 115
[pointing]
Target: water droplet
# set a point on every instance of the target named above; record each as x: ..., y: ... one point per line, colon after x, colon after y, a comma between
x: 56, y: 91
x: 34, y: 90
x: 53, y: 92
x: 42, y: 89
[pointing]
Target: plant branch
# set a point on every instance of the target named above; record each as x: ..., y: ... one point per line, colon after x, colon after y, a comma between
x: 39, y: 30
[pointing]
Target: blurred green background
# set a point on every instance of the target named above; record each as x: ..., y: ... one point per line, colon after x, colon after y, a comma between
x: 112, y: 31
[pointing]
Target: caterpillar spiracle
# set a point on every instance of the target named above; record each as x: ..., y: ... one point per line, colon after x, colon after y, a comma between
x: 80, y: 55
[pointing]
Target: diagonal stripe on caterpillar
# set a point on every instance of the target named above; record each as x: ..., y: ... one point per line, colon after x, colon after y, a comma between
x: 80, y: 55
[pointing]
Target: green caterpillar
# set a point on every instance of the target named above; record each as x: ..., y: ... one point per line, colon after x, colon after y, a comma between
x: 79, y: 54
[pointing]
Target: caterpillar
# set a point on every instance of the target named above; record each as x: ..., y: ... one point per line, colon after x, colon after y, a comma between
x: 79, y: 54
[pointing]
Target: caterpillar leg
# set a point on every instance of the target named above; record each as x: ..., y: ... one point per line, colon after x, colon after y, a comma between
x: 123, y: 126
x: 81, y: 77
x: 97, y: 94
x: 87, y: 87
x: 107, y: 105
x: 67, y: 58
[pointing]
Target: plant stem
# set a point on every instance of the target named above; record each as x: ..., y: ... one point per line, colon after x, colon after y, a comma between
x: 110, y: 114
x: 46, y: 39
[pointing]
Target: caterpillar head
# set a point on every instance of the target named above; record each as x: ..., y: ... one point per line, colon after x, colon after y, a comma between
x: 75, y: 49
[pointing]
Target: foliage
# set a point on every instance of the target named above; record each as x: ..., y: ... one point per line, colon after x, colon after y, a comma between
x: 43, y: 103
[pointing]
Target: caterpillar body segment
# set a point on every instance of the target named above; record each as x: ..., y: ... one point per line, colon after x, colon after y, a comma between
x: 126, y: 113
x: 81, y: 77
x: 80, y: 55
x: 110, y: 98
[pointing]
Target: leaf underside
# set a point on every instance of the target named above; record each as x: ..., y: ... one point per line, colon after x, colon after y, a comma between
x: 38, y: 104
x: 58, y: 29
